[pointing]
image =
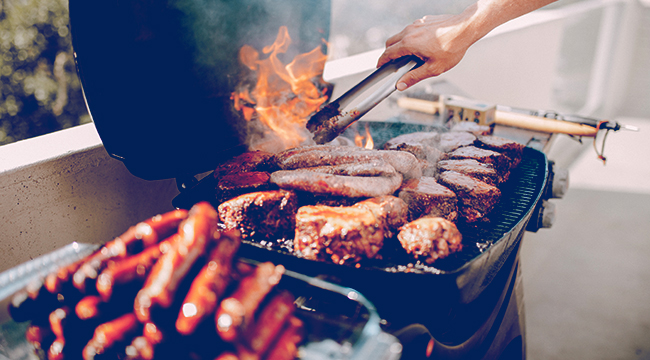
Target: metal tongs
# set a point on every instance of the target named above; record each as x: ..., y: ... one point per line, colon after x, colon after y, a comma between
x: 330, y: 121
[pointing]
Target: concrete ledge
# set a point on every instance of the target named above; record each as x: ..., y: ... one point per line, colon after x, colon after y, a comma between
x: 64, y: 187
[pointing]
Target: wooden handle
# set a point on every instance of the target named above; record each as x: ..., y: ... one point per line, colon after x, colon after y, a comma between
x: 523, y: 121
x: 543, y: 124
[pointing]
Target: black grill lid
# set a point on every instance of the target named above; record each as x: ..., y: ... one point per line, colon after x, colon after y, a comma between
x: 157, y: 75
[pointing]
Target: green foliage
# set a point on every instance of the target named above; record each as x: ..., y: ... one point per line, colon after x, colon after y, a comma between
x: 40, y: 90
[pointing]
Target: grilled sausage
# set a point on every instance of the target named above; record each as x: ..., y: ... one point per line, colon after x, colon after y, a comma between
x: 110, y: 335
x: 209, y: 286
x: 195, y: 232
x: 135, y: 239
x: 270, y: 322
x: 337, y: 185
x: 320, y: 155
x: 131, y: 270
x: 287, y: 345
x: 236, y: 312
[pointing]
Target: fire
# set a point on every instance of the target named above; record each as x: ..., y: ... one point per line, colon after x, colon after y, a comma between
x: 283, y: 97
x: 358, y: 139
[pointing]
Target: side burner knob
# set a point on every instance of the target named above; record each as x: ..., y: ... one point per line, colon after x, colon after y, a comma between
x: 560, y: 183
x: 547, y: 215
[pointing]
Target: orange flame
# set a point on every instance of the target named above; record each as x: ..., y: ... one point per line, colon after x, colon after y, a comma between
x: 284, y: 96
x: 359, y: 139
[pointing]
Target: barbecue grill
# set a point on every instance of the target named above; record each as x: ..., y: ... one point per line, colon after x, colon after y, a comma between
x: 174, y: 119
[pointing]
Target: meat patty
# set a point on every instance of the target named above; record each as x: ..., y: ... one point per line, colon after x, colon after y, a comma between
x: 425, y: 197
x: 476, y: 198
x: 343, y: 235
x: 430, y: 238
x: 263, y: 215
x: 471, y: 167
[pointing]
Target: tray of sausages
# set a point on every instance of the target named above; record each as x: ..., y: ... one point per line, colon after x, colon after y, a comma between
x: 173, y: 287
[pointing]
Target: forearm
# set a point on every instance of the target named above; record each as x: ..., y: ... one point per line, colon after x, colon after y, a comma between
x: 485, y: 15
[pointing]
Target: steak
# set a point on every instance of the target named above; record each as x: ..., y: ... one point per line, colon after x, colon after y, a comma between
x: 343, y: 235
x: 391, y: 211
x: 475, y: 198
x: 471, y: 167
x: 262, y: 215
x: 507, y: 147
x: 500, y: 162
x: 456, y: 139
x: 426, y: 197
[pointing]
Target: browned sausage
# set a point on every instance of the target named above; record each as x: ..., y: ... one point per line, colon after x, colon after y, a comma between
x: 209, y: 286
x: 135, y: 239
x: 270, y: 322
x: 140, y: 349
x: 133, y: 269
x: 195, y: 232
x: 108, y: 335
x: 236, y: 312
x: 286, y: 348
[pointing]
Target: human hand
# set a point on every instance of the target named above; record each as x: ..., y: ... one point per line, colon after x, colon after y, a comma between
x: 440, y: 41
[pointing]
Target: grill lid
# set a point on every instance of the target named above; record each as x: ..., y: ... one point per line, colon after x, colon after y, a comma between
x: 157, y: 75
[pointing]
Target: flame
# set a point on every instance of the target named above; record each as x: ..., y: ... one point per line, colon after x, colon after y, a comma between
x: 359, y: 139
x: 284, y: 96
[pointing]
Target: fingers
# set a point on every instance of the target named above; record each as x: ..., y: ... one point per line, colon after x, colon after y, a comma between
x: 414, y: 76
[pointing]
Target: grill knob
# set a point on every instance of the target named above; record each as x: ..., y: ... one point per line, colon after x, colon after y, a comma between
x: 547, y: 216
x: 560, y: 183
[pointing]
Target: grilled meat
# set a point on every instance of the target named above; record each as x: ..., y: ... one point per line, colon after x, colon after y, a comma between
x: 340, y: 234
x: 476, y: 198
x: 430, y: 238
x: 472, y: 127
x: 337, y: 185
x: 251, y: 161
x: 425, y: 197
x: 456, y: 139
x: 509, y: 148
x: 260, y: 323
x: 320, y: 155
x: 233, y: 185
x: 389, y: 210
x: 472, y: 168
x: 261, y: 215
x: 500, y: 162
x: 421, y: 144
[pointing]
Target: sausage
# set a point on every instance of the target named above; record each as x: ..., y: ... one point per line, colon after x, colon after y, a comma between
x: 108, y: 336
x: 270, y: 322
x: 287, y: 345
x: 338, y: 185
x: 209, y: 286
x: 140, y: 349
x: 371, y: 168
x: 131, y: 270
x: 236, y: 312
x: 195, y: 232
x: 40, y: 336
x: 311, y: 156
x: 135, y: 239
x: 34, y: 302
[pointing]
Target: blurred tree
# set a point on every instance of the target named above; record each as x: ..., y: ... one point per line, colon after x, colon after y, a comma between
x: 40, y: 91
